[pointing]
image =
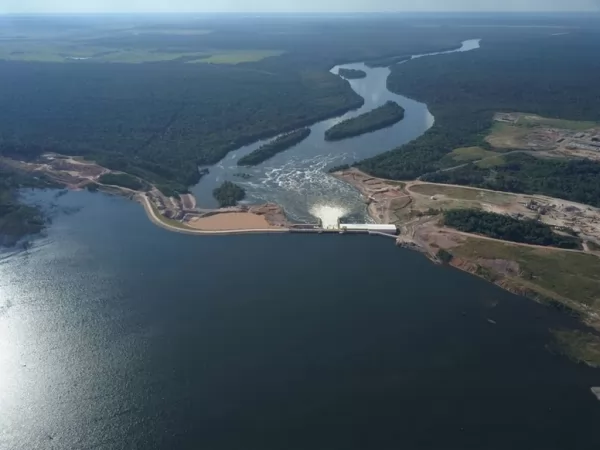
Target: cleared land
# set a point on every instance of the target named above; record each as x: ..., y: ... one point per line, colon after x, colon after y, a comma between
x: 466, y: 154
x: 550, y: 137
x: 229, y: 221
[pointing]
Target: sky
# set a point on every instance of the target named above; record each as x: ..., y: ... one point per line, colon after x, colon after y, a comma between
x: 117, y: 6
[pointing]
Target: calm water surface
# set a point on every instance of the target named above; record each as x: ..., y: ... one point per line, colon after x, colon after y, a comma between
x: 116, y: 334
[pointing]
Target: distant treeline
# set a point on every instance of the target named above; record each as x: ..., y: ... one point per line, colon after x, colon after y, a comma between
x: 277, y: 145
x: 575, y: 180
x: 352, y: 74
x: 503, y: 227
x: 228, y: 194
x: 384, y: 116
x: 464, y: 90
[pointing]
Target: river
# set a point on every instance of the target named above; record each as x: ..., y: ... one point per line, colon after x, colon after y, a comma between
x: 297, y: 178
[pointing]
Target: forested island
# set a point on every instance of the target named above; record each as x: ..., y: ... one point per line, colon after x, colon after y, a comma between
x: 352, y: 74
x: 229, y: 194
x: 277, y: 145
x: 384, y: 116
x: 499, y: 226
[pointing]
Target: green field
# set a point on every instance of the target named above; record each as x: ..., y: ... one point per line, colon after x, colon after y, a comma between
x: 238, y: 56
x: 534, y: 121
x: 571, y: 275
x: 460, y: 193
x: 466, y: 154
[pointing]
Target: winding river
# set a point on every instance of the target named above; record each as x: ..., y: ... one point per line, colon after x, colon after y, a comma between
x: 297, y: 178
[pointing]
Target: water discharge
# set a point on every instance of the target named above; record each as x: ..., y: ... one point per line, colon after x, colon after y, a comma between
x: 329, y: 215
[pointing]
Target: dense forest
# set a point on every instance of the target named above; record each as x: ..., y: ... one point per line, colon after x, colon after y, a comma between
x: 575, y: 180
x: 352, y: 74
x: 159, y: 124
x: 503, y: 227
x: 124, y: 180
x: 277, y: 145
x: 228, y: 194
x: 464, y: 90
x: 384, y: 116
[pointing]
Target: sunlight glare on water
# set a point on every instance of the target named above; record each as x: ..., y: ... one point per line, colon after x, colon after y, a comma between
x: 328, y: 214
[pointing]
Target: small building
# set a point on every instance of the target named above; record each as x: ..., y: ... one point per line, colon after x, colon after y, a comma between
x: 369, y: 227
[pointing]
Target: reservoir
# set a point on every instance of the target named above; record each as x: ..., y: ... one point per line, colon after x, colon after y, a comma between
x: 117, y: 334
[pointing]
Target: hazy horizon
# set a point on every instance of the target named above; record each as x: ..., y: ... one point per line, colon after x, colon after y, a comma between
x: 294, y: 6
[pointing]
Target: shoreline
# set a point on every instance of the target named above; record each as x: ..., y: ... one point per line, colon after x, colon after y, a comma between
x: 182, y: 228
x: 506, y: 269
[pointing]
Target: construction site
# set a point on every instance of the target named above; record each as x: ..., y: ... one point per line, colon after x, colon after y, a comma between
x: 558, y: 138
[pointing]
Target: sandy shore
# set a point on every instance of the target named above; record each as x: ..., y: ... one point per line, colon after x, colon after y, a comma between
x: 230, y: 221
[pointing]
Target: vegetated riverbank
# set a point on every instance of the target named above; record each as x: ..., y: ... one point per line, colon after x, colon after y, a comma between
x: 376, y: 119
x: 278, y: 145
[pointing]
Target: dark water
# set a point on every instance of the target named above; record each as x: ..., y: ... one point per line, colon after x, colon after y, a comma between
x: 115, y: 334
x: 297, y: 179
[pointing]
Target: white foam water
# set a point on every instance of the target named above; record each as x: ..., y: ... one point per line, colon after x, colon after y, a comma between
x: 328, y: 214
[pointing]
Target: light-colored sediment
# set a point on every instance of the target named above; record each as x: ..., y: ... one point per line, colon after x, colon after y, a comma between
x: 229, y: 221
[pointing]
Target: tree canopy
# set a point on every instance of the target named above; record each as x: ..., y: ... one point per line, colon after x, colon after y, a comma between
x: 384, y: 116
x: 507, y: 228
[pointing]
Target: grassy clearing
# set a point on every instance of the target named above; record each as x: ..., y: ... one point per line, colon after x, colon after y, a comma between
x: 466, y: 154
x: 238, y: 56
x: 459, y: 193
x: 505, y: 136
x: 493, y: 161
x: 533, y: 121
x: 575, y: 276
x: 579, y: 346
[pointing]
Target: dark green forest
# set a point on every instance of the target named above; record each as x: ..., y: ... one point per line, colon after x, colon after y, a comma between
x: 503, y: 227
x: 229, y: 194
x: 384, y: 116
x: 352, y: 74
x: 576, y: 180
x: 159, y: 121
x: 554, y: 76
x: 277, y: 145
